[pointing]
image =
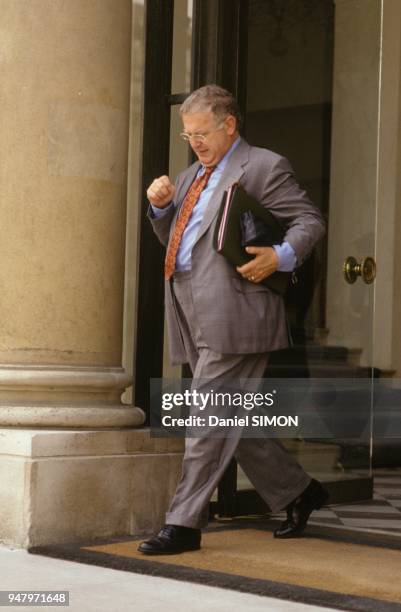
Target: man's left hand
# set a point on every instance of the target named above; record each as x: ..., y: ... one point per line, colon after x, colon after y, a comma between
x: 264, y: 263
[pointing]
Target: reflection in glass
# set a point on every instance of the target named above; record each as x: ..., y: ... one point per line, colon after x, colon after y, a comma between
x: 179, y: 158
x: 182, y: 46
x: 300, y: 104
x: 180, y: 83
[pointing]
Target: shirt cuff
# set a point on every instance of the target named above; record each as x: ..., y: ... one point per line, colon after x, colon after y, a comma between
x: 287, y: 260
x: 160, y: 212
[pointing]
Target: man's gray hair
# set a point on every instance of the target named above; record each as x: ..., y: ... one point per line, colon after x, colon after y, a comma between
x: 215, y: 99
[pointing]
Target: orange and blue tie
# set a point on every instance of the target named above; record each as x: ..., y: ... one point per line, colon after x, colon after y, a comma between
x: 187, y: 207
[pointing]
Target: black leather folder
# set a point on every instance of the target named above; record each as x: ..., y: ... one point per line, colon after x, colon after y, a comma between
x: 242, y: 222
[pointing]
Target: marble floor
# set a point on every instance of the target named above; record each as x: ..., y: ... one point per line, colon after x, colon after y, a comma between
x: 382, y: 514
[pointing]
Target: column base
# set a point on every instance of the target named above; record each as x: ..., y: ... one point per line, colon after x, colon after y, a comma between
x: 63, y: 486
x: 51, y: 396
x: 71, y: 416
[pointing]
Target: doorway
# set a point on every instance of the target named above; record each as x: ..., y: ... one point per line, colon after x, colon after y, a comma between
x: 307, y: 76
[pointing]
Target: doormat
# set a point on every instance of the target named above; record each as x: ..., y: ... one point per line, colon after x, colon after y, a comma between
x: 321, y: 568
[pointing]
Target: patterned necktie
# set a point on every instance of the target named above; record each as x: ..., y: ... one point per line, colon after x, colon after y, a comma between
x: 186, y: 209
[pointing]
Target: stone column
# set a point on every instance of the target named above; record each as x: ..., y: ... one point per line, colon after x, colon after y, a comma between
x: 64, y: 125
x: 71, y: 463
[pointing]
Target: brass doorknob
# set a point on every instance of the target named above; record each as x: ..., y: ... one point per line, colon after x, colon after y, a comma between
x: 352, y: 269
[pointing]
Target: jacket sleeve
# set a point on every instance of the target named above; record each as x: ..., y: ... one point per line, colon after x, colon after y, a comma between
x: 161, y: 225
x: 302, y: 220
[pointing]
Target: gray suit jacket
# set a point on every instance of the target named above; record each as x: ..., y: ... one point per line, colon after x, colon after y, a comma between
x: 235, y: 315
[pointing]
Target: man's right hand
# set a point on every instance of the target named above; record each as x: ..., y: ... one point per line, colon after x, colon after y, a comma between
x: 161, y: 192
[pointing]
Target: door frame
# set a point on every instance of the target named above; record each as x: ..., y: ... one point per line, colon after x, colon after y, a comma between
x: 219, y: 39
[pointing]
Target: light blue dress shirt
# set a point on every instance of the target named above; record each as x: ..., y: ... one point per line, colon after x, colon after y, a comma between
x: 285, y: 252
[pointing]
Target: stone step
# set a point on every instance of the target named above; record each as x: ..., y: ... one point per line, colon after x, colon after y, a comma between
x: 314, y: 353
x: 318, y: 370
x: 314, y: 456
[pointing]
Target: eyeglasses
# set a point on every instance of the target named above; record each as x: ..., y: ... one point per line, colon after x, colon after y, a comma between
x: 197, y: 137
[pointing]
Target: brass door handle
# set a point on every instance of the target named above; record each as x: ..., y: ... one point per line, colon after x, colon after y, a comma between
x: 352, y: 269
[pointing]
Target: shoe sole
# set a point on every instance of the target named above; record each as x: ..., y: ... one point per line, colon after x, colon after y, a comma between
x: 321, y: 500
x: 165, y: 552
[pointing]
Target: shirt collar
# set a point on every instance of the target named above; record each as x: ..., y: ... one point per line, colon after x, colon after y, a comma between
x: 223, y: 162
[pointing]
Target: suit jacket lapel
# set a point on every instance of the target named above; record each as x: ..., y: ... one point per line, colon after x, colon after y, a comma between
x: 231, y: 174
x: 187, y: 180
x: 182, y: 189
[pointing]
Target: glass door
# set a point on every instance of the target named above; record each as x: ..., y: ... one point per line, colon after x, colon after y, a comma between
x: 312, y: 90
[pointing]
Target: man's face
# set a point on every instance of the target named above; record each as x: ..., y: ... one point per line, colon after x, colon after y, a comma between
x: 219, y: 136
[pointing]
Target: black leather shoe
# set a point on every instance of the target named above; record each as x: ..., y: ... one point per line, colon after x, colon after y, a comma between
x: 299, y: 510
x: 172, y: 540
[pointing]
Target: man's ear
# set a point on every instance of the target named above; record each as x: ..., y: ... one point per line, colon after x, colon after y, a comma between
x: 231, y: 124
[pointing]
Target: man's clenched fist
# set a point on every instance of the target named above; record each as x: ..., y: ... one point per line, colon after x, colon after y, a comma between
x: 161, y: 192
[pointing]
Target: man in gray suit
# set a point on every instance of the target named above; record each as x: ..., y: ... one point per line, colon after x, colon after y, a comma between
x: 221, y: 319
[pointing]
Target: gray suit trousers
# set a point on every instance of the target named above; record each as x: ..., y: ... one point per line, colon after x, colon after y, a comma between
x: 273, y: 471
